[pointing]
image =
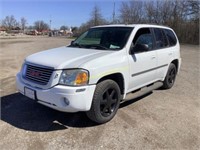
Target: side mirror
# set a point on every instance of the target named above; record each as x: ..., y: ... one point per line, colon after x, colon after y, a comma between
x: 139, y: 48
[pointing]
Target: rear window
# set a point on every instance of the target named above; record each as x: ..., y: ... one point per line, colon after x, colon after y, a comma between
x: 161, y: 39
x: 171, y: 37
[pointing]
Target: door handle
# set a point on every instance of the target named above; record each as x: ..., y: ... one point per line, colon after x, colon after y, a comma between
x: 170, y: 54
x: 153, y: 57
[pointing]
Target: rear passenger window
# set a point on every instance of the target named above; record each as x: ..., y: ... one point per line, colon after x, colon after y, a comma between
x: 161, y: 39
x: 171, y: 37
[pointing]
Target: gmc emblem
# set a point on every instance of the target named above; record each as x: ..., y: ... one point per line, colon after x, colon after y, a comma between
x: 34, y: 73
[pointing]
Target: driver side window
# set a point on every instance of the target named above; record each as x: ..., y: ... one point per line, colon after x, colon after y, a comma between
x: 143, y: 36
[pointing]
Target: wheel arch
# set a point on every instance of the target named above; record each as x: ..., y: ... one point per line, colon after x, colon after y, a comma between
x: 176, y: 63
x: 118, y: 78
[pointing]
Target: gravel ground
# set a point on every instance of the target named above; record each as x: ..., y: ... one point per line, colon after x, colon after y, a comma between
x: 163, y: 119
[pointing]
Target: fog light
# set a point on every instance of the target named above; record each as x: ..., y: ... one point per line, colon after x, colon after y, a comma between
x: 66, y: 101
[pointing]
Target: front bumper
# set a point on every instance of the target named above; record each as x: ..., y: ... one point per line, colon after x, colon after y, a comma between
x: 61, y: 98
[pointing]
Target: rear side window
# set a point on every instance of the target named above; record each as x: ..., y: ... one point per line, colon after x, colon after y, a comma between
x: 161, y: 39
x: 171, y: 37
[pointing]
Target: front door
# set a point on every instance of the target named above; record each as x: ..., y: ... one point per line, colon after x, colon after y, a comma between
x: 142, y: 63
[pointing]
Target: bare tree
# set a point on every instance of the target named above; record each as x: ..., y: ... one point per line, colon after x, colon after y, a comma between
x: 23, y: 22
x: 9, y: 22
x: 160, y: 12
x: 30, y: 27
x: 96, y: 17
x: 193, y: 8
x: 41, y: 25
x: 131, y: 12
x: 64, y: 27
x: 182, y: 16
x: 192, y: 12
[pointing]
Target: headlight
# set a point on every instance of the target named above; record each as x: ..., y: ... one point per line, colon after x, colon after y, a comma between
x: 74, y: 77
x: 23, y: 69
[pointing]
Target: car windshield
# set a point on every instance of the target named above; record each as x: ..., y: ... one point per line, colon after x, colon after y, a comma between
x: 103, y: 38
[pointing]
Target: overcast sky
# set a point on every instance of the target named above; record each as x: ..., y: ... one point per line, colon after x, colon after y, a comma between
x: 61, y: 12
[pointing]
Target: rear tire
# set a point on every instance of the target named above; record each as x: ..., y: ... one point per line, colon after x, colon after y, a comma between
x: 170, y: 77
x: 105, y: 102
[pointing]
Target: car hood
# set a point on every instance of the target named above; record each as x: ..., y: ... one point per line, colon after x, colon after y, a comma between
x: 65, y: 57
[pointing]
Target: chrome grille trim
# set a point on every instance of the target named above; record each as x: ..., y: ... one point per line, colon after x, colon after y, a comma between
x: 39, y: 75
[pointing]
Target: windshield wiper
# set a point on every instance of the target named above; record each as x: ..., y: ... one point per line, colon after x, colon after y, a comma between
x: 97, y: 46
x: 76, y: 45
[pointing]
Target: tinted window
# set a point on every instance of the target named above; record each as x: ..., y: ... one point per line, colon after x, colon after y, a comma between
x: 171, y: 37
x: 144, y: 36
x: 161, y: 39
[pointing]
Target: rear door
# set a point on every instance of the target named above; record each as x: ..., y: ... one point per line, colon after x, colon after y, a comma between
x: 164, y: 52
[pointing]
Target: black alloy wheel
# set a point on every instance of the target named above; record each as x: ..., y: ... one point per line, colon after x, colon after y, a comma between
x: 105, y: 102
x: 170, y: 77
x: 108, y: 102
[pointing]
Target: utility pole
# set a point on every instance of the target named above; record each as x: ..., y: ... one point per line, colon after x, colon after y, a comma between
x: 50, y: 22
x: 114, y: 13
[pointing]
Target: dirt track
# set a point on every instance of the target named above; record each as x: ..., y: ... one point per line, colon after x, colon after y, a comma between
x: 161, y: 120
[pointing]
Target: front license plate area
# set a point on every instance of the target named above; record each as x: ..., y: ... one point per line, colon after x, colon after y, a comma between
x: 29, y: 93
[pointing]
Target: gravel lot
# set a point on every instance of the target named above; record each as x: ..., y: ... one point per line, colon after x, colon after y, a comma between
x: 160, y: 120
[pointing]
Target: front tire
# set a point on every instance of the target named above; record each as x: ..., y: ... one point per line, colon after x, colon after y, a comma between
x: 105, y: 102
x: 170, y: 77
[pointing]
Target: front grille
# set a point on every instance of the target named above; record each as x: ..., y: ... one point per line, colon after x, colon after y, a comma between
x: 39, y: 75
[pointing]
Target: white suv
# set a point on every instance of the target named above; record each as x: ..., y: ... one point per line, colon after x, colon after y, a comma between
x: 101, y: 68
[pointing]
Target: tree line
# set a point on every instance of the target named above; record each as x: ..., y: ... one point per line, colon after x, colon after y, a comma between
x: 10, y: 23
x: 180, y: 15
